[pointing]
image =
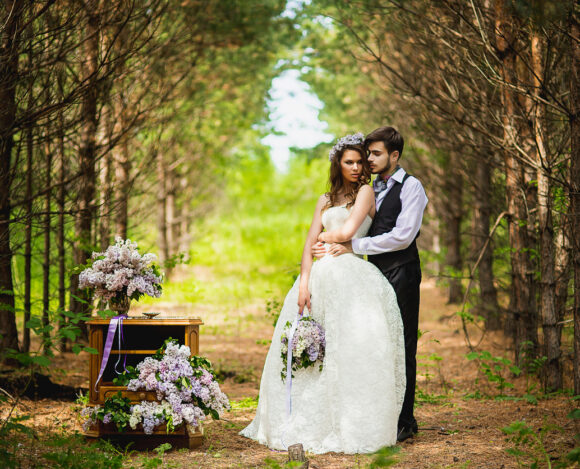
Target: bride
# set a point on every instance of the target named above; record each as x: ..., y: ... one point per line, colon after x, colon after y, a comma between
x: 353, y: 404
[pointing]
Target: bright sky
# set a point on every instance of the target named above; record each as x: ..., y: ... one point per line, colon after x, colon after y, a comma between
x: 293, y: 110
x: 293, y: 114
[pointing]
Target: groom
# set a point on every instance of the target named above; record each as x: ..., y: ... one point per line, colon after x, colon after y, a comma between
x: 391, y: 246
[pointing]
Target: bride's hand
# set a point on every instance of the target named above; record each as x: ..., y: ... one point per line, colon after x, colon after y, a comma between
x: 303, y: 299
x: 318, y: 250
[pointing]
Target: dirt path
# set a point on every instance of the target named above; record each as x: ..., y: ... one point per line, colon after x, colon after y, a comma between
x: 455, y: 431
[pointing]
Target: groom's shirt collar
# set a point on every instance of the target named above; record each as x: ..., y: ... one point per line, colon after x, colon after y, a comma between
x: 399, y: 175
x: 381, y: 190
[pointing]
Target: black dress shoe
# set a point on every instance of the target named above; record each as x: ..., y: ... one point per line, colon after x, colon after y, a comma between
x: 405, y: 433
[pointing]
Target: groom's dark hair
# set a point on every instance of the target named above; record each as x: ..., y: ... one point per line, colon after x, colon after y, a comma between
x: 390, y: 136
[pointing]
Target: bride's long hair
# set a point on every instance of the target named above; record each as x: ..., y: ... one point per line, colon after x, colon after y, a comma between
x: 337, y: 182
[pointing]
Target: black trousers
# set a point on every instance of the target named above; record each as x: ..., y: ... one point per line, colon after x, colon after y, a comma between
x: 405, y: 281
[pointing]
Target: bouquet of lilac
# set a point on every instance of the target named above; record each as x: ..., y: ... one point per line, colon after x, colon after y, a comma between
x: 186, y: 390
x: 121, y: 271
x: 308, y: 345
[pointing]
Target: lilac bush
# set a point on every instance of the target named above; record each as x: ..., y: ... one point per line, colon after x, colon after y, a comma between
x: 186, y: 387
x: 122, y: 271
x: 308, y: 345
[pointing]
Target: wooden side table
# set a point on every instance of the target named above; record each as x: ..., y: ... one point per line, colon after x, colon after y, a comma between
x: 142, y: 337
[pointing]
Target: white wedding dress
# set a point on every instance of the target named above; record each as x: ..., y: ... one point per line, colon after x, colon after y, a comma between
x: 353, y: 404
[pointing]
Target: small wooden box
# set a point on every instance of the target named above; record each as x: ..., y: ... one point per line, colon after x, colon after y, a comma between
x: 141, y: 338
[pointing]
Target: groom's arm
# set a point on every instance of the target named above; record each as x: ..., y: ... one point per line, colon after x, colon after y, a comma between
x: 413, y: 203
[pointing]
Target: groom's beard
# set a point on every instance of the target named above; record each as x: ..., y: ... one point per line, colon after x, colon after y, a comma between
x: 385, y: 170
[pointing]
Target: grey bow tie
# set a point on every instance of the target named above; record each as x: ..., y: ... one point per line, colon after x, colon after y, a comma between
x: 380, y: 184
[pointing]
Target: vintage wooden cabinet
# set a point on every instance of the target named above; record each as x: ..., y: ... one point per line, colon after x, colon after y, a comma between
x: 141, y: 338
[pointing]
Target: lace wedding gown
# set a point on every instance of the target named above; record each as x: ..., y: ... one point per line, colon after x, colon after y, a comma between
x: 353, y: 404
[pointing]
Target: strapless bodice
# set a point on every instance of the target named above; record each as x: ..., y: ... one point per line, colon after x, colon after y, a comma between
x: 335, y: 217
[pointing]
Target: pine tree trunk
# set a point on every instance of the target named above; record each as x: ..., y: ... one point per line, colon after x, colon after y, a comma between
x: 170, y: 212
x: 436, y: 245
x: 177, y: 214
x: 46, y: 263
x: 10, y: 17
x: 162, y: 209
x: 454, y: 192
x: 547, y: 286
x: 28, y: 234
x: 184, y: 238
x: 575, y: 185
x: 563, y: 273
x: 122, y: 170
x: 481, y: 216
x: 87, y: 154
x: 121, y: 158
x: 106, y: 192
x: 521, y: 291
x: 532, y: 322
x: 60, y: 201
x: 553, y: 371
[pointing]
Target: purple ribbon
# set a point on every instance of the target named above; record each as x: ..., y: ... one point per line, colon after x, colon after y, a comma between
x: 289, y: 375
x: 115, y: 323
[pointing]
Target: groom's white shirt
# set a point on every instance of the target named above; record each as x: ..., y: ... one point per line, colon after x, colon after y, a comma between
x: 413, y: 203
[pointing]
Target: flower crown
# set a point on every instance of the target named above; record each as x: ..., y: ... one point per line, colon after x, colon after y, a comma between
x: 354, y: 139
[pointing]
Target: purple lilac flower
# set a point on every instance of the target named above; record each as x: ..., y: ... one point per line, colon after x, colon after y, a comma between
x: 175, y: 403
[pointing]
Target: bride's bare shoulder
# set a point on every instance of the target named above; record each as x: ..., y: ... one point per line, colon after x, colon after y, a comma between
x: 320, y: 204
x: 366, y: 191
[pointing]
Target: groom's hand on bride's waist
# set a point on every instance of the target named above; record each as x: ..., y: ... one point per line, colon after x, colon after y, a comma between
x: 337, y: 249
x: 319, y: 250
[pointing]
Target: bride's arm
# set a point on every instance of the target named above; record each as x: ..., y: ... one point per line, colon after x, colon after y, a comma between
x: 306, y: 264
x: 365, y: 200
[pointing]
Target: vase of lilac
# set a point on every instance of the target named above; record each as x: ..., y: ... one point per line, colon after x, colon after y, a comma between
x: 121, y: 274
x: 307, y: 348
x: 186, y: 389
x: 120, y: 306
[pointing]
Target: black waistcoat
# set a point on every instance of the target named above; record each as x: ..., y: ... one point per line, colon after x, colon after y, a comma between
x: 384, y: 221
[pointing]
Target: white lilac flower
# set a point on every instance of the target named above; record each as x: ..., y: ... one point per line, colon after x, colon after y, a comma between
x: 121, y: 269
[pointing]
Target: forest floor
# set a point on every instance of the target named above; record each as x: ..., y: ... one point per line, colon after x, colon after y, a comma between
x: 460, y: 414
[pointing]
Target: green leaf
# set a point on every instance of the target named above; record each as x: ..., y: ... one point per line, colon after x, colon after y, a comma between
x: 531, y: 399
x: 41, y: 360
x: 472, y: 355
x: 516, y: 427
x: 68, y: 333
x: 34, y: 323
x: 574, y: 455
x: 515, y: 370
